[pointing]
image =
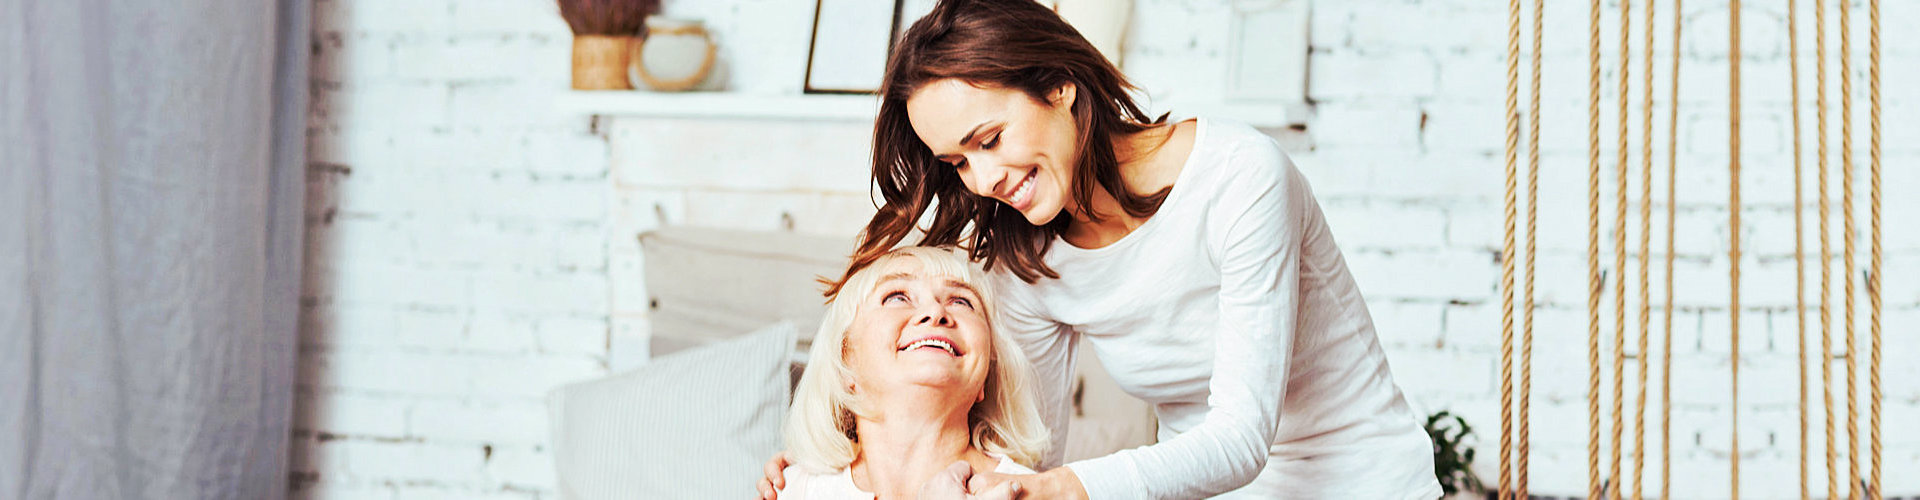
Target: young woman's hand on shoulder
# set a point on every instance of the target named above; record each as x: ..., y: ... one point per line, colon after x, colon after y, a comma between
x: 775, y: 477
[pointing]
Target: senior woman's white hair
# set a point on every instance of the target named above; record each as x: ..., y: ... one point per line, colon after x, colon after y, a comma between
x: 820, y: 427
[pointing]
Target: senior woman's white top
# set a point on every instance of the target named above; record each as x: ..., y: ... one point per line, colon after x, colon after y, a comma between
x: 803, y: 485
x: 1232, y: 312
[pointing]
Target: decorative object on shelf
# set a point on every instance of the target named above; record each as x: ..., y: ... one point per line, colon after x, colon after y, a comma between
x: 1267, y: 52
x: 851, y: 39
x: 1101, y: 22
x: 676, y: 55
x: 603, y: 33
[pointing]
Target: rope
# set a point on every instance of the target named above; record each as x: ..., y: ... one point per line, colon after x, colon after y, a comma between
x: 1620, y: 254
x: 1846, y: 252
x: 1506, y: 255
x: 1594, y: 277
x: 1799, y: 238
x: 1873, y: 204
x: 1826, y: 253
x: 1666, y: 352
x: 1646, y: 243
x: 1733, y: 252
x: 1533, y: 216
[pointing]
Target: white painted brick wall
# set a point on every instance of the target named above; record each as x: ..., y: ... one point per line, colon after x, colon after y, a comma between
x: 456, y: 265
x: 470, y: 247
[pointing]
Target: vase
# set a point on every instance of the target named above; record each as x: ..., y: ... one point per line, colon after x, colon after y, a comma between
x: 676, y: 55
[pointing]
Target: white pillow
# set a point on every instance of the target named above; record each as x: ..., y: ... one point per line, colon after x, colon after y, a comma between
x: 704, y: 283
x: 696, y: 424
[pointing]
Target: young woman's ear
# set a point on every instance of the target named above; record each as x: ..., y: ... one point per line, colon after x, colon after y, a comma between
x: 1062, y: 96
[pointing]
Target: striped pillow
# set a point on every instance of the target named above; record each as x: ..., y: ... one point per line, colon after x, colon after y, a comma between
x: 695, y: 424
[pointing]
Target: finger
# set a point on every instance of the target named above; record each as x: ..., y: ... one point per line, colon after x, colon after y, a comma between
x: 766, y: 490
x: 960, y: 472
x: 775, y: 470
x: 979, y: 482
x: 1005, y: 491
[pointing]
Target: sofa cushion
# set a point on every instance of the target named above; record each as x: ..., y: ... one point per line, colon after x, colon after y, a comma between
x: 696, y: 424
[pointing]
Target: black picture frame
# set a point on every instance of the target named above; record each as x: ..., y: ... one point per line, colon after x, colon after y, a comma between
x: 814, y: 82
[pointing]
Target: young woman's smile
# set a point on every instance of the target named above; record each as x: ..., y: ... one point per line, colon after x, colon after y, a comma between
x: 1022, y: 196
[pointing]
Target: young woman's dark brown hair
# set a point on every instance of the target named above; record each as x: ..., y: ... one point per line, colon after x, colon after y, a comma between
x: 1011, y: 44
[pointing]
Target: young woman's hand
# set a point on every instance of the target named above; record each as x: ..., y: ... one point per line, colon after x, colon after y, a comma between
x: 776, y: 477
x: 1060, y: 483
x: 959, y: 482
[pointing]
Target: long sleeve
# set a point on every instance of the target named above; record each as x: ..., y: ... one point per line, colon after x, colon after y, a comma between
x: 1253, y: 234
x: 1050, y: 347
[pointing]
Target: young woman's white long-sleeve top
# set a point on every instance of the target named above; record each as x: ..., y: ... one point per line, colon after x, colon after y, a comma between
x: 1232, y: 312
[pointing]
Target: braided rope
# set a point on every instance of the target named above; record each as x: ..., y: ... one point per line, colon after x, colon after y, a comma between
x: 1826, y: 252
x: 1646, y: 244
x: 1666, y: 352
x: 1873, y: 207
x: 1733, y: 214
x: 1799, y: 238
x: 1533, y: 216
x: 1506, y: 255
x: 1594, y: 277
x: 1620, y: 253
x: 1846, y: 251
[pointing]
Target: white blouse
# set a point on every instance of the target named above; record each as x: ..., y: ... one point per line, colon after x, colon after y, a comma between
x: 803, y: 485
x: 1232, y: 312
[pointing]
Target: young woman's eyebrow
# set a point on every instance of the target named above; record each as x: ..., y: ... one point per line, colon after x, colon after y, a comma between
x: 969, y: 137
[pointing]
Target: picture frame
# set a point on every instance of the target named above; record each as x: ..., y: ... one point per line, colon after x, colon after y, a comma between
x: 850, y: 42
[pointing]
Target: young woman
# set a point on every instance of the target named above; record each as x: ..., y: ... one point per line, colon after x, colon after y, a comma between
x: 1192, y: 256
x: 907, y: 377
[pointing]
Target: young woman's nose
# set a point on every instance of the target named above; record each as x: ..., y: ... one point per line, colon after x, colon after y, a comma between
x: 989, y: 175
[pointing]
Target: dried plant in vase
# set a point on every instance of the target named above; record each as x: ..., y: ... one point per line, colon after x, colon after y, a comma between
x: 603, y: 31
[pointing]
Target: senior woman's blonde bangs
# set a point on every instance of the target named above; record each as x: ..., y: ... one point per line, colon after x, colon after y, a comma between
x: 819, y: 426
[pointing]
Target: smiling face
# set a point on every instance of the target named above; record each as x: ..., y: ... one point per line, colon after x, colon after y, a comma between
x: 919, y: 329
x: 1002, y: 143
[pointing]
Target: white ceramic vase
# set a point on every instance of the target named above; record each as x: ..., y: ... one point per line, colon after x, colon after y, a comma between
x: 677, y: 54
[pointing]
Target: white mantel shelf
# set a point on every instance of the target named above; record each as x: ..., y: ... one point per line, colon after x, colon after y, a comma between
x: 638, y: 103
x: 838, y: 107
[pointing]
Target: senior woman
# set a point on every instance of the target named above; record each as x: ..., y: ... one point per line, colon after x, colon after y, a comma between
x: 906, y: 382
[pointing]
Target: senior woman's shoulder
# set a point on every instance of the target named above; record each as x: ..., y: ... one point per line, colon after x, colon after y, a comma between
x: 805, y: 484
x: 799, y: 483
x: 1008, y: 466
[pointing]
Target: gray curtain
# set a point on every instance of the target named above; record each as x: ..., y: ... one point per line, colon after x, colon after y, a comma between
x: 151, y: 166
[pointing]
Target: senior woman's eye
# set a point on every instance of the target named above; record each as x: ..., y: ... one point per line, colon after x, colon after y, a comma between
x: 963, y: 301
x: 890, y: 297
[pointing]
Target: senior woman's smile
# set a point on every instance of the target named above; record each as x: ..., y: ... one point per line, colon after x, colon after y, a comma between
x: 934, y: 344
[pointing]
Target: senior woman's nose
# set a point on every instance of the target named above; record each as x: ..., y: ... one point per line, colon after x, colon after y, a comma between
x: 935, y: 317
